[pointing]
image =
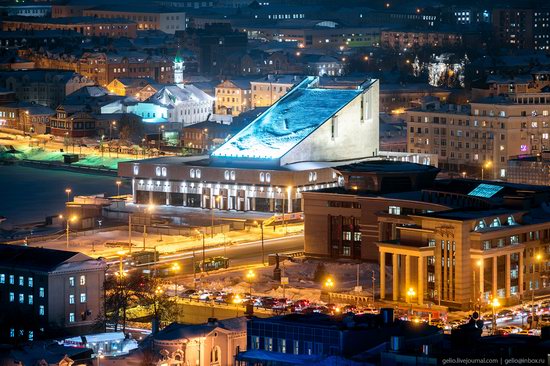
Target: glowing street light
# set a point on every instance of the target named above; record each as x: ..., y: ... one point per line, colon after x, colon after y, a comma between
x: 175, y: 268
x: 250, y: 275
x: 118, y: 183
x: 410, y: 294
x: 71, y: 219
x: 494, y: 304
x: 487, y: 165
x: 329, y: 283
x: 68, y: 191
x: 261, y: 224
x: 217, y: 200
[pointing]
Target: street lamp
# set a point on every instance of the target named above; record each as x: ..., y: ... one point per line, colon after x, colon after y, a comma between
x: 250, y: 275
x: 494, y: 304
x: 148, y: 209
x: 118, y: 183
x: 175, y: 268
x: 161, y: 128
x: 329, y: 283
x: 217, y: 200
x: 262, y: 229
x: 487, y: 165
x: 203, y: 250
x: 68, y: 191
x: 73, y: 218
x: 111, y: 126
x: 479, y: 263
x: 121, y: 255
x: 410, y: 294
x: 538, y: 259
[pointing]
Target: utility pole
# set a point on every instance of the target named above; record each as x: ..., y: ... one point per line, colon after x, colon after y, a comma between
x: 130, y: 232
x: 373, y: 288
x: 263, y: 249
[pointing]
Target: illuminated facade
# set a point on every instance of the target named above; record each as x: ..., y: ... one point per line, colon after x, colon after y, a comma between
x: 289, y: 149
x: 457, y: 243
x: 181, y: 103
x: 486, y: 132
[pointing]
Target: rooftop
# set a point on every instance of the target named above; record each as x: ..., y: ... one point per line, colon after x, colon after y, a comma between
x: 69, y: 20
x: 287, y: 122
x: 34, y: 258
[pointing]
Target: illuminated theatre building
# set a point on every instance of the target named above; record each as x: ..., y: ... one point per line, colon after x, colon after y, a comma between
x: 288, y: 149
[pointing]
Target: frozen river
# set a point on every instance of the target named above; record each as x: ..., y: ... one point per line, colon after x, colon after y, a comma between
x: 30, y: 194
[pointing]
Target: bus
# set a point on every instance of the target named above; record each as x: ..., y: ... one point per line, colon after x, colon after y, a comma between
x: 212, y: 264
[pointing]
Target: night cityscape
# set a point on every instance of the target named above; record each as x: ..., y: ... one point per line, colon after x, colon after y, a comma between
x: 274, y: 182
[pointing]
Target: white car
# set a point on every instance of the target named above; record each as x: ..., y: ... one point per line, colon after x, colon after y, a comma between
x: 529, y: 332
x: 510, y: 329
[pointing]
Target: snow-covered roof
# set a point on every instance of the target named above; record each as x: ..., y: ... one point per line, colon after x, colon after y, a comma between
x: 171, y: 95
x: 289, y: 121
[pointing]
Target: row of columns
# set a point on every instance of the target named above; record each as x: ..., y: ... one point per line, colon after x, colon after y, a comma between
x: 494, y: 274
x: 395, y: 276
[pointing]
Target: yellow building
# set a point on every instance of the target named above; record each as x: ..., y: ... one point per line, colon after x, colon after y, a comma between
x: 233, y: 97
x: 128, y: 86
x: 271, y: 88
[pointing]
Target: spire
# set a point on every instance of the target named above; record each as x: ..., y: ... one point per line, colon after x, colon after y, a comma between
x: 178, y: 68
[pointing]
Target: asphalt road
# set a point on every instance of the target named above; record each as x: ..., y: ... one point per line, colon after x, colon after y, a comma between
x: 239, y: 254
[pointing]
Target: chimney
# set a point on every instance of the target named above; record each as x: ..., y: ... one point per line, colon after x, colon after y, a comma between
x: 395, y: 343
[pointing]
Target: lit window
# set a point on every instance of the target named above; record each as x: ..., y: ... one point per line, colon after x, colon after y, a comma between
x: 41, y: 292
x: 268, y: 344
x: 21, y: 298
x: 232, y: 175
x: 12, y: 279
x: 480, y: 225
x: 226, y: 174
x: 71, y: 299
x: 30, y: 281
x: 71, y: 281
x: 255, y: 342
x: 41, y: 310
x: 31, y: 335
x: 268, y: 177
x: 495, y: 223
x: 394, y: 210
x: 511, y: 220
x: 82, y: 280
x: 71, y: 317
x: 12, y: 332
x: 30, y: 298
x: 2, y: 278
x: 12, y: 297
x: 82, y: 298
x: 21, y: 281
x: 192, y: 173
x: 164, y: 171
x: 262, y: 177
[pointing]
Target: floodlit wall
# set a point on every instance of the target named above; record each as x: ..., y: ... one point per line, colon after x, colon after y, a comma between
x: 352, y: 133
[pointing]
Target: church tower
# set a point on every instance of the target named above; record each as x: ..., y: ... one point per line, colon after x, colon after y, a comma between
x: 178, y: 69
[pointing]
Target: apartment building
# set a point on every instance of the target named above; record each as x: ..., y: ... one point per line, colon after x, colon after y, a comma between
x: 88, y: 26
x: 481, y: 137
x: 46, y: 293
x: 105, y: 67
x: 407, y: 39
x: 233, y: 97
x: 147, y: 17
x: 268, y: 90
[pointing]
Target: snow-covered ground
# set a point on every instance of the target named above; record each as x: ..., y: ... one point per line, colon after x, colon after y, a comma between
x: 301, y: 284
